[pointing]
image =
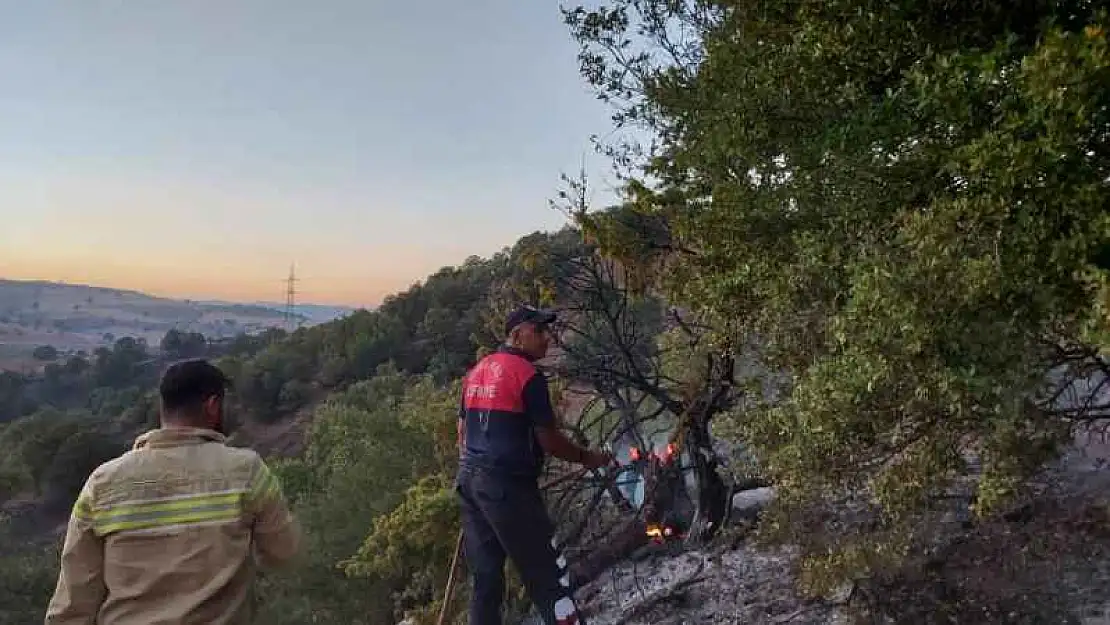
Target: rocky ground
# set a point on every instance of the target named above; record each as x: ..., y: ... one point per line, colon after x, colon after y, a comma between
x: 1052, y: 553
x: 745, y: 585
x: 728, y: 582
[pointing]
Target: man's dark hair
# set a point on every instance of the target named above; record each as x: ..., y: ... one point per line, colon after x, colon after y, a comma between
x: 186, y: 385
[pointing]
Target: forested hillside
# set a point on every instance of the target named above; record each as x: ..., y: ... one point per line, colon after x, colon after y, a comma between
x: 377, y: 387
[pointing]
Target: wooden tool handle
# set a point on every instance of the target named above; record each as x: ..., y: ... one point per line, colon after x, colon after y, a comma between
x: 450, y: 590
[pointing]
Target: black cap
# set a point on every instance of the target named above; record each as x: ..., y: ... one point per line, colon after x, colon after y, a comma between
x: 527, y: 313
x: 187, y: 383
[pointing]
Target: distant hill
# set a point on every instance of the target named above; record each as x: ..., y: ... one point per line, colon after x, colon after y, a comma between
x: 73, y: 317
x: 315, y: 313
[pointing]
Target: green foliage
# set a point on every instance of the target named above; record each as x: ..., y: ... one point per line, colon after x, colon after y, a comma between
x: 27, y: 581
x: 11, y: 483
x: 903, y: 204
x: 122, y: 365
x: 14, y: 400
x: 407, y: 549
x: 110, y: 401
x: 31, y: 443
x: 296, y: 477
x: 51, y: 453
x: 75, y: 459
x: 105, y: 385
x: 178, y: 345
x: 367, y: 446
x: 684, y: 359
x: 142, y: 414
x: 64, y: 385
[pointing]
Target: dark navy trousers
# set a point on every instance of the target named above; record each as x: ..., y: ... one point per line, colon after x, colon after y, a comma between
x: 505, y: 516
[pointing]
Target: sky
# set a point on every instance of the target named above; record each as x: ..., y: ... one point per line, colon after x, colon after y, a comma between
x: 196, y: 149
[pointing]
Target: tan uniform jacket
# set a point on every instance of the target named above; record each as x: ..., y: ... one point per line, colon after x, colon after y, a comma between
x: 167, y: 534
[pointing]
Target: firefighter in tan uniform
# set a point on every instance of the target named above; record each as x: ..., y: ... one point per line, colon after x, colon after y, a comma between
x: 169, y: 532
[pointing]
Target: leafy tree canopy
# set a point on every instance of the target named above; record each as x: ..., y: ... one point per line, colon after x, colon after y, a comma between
x: 904, y: 203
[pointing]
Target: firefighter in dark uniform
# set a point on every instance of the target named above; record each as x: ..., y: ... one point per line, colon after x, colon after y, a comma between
x: 506, y: 426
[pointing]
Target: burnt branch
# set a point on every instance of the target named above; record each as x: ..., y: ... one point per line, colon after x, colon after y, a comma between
x: 608, y: 347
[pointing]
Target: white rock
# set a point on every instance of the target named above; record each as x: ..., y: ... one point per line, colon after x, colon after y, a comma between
x: 750, y: 502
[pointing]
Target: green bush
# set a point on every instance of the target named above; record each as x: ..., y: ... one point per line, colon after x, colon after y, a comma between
x: 28, y: 574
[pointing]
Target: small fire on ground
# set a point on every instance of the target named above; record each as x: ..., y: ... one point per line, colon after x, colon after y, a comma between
x: 661, y: 533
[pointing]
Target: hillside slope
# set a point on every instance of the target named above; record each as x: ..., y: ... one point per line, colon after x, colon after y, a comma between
x: 358, y: 416
x: 1048, y: 561
x: 73, y: 318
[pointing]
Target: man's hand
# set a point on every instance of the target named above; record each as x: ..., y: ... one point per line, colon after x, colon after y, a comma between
x: 597, y: 459
x: 555, y: 443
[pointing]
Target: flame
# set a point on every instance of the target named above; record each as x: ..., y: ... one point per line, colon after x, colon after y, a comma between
x: 660, y: 533
x: 668, y: 453
x: 633, y: 454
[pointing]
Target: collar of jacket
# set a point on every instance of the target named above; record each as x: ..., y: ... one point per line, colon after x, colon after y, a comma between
x: 176, y: 436
x: 509, y: 349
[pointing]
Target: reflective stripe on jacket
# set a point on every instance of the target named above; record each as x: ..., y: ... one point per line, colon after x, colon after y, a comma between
x: 168, y: 533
